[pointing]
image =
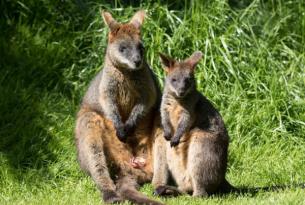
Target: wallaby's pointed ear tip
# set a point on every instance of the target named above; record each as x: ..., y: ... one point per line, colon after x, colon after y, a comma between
x: 164, y: 58
x: 166, y: 61
x: 161, y: 55
x: 198, y: 54
x: 138, y: 18
x: 142, y: 12
x: 194, y: 59
x: 108, y: 19
x: 104, y: 13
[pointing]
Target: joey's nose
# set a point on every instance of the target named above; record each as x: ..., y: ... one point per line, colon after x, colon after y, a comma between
x: 181, y: 93
x: 137, y: 60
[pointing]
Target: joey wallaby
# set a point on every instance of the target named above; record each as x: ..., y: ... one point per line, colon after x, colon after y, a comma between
x: 196, y: 155
x: 116, y: 117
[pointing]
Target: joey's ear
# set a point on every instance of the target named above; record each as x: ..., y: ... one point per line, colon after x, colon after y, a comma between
x: 167, y: 62
x: 194, y: 59
x: 138, y: 19
x: 109, y: 20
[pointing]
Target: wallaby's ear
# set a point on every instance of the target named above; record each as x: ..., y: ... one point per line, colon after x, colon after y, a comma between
x: 194, y: 59
x: 109, y: 20
x: 167, y: 62
x: 138, y: 19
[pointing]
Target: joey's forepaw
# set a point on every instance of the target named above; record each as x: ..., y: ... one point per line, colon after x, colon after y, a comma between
x: 174, y: 141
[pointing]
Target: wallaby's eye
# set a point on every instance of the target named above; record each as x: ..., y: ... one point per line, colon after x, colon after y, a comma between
x: 141, y: 48
x: 174, y: 80
x: 122, y: 49
x: 187, y: 81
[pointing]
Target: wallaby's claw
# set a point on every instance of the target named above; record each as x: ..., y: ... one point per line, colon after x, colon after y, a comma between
x: 121, y: 133
x: 167, y: 136
x: 129, y: 129
x: 166, y: 191
x: 174, y: 142
x: 124, y: 131
x: 159, y: 191
x: 111, y: 197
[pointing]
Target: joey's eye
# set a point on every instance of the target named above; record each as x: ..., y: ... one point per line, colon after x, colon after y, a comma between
x: 122, y: 49
x: 187, y: 81
x: 174, y: 80
x: 140, y: 46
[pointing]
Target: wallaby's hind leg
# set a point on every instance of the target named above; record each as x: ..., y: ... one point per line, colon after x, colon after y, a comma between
x: 161, y: 172
x: 166, y: 190
x: 206, y: 163
x: 91, y: 154
x: 160, y: 178
x: 128, y: 188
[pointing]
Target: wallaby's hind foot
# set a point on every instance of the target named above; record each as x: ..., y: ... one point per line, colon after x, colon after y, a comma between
x: 200, y: 193
x: 165, y: 190
x: 111, y: 197
x: 128, y: 189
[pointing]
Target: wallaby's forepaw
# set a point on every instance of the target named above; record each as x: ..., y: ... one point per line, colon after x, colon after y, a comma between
x: 166, y: 191
x: 124, y: 131
x: 167, y: 136
x: 121, y: 133
x: 111, y: 197
x: 175, y: 141
x: 129, y: 129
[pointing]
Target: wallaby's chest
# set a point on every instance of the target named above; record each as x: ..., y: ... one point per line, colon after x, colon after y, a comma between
x: 177, y: 164
x: 175, y: 111
x: 127, y: 95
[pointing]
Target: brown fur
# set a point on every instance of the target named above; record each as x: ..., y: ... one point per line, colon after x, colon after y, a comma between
x: 123, y: 30
x: 119, y: 98
x: 196, y: 156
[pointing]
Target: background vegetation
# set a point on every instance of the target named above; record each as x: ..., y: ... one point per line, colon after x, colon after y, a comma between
x: 253, y: 71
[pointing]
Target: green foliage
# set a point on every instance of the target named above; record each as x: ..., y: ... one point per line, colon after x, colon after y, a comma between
x: 253, y: 71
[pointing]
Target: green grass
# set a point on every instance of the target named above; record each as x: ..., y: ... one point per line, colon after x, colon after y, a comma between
x: 253, y: 71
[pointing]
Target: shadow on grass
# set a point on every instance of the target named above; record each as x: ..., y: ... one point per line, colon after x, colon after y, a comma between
x: 172, y: 190
x: 253, y: 191
x: 32, y: 65
x: 24, y: 136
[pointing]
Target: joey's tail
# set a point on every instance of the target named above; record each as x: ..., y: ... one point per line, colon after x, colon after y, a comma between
x: 226, y: 187
x: 127, y: 188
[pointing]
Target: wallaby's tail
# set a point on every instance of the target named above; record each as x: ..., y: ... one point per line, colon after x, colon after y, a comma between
x: 127, y: 188
x: 226, y: 187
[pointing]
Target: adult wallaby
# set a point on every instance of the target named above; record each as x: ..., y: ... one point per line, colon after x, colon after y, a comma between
x: 196, y: 155
x: 116, y: 118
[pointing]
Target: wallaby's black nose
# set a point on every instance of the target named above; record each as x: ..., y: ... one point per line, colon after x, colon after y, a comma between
x: 137, y: 62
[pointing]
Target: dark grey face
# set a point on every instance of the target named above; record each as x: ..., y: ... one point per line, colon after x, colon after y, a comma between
x: 127, y: 53
x: 180, y: 82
